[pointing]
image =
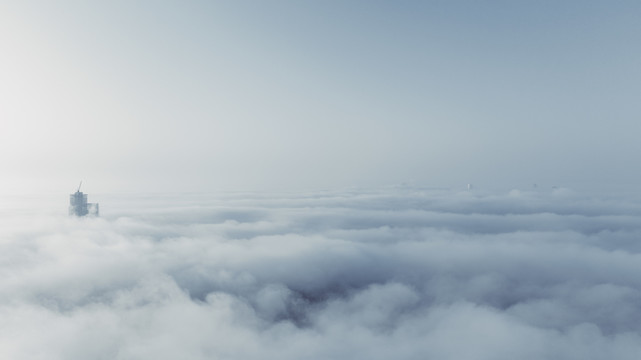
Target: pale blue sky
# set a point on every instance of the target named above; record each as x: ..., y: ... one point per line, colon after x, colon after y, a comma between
x: 212, y: 95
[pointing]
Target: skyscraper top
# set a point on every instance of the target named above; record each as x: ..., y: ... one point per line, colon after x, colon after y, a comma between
x: 78, y: 205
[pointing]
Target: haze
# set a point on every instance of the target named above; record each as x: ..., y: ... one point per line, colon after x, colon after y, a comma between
x: 289, y: 180
x: 225, y: 95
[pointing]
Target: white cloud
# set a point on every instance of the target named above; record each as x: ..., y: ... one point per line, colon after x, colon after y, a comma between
x: 376, y: 275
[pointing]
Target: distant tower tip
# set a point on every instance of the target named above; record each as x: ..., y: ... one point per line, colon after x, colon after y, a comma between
x: 78, y: 205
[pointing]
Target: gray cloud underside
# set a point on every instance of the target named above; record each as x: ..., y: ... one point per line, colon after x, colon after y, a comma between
x: 404, y: 274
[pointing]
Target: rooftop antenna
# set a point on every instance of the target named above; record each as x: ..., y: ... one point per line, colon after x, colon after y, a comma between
x: 79, y: 186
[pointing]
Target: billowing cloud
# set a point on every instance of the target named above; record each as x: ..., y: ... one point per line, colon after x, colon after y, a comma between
x: 396, y: 273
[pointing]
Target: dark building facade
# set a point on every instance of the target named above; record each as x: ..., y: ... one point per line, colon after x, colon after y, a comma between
x: 78, y: 205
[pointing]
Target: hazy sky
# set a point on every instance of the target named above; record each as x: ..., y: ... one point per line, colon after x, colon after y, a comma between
x: 210, y: 95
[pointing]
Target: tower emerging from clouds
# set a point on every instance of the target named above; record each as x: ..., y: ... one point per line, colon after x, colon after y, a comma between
x: 78, y: 205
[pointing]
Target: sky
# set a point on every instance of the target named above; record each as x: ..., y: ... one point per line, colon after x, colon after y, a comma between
x: 400, y: 273
x: 287, y: 179
x: 174, y: 96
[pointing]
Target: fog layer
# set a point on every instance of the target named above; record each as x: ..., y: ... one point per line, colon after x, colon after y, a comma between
x: 385, y: 274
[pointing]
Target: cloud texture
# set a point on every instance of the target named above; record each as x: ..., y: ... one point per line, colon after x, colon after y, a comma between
x: 396, y: 273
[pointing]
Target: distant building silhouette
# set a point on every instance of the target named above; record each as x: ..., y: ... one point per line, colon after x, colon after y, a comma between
x: 78, y: 205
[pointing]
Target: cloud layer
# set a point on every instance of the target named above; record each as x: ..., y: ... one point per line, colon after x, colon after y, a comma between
x: 394, y: 273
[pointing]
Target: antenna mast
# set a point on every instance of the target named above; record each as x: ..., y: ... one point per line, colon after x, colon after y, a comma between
x: 79, y: 186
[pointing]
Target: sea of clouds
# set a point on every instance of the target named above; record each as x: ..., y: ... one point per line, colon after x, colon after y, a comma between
x: 396, y: 273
